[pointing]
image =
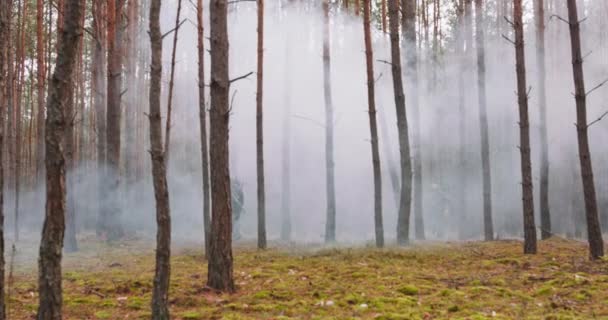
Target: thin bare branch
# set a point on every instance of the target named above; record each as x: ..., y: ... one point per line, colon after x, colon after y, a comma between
x: 507, y: 38
x: 596, y: 87
x: 241, y: 77
x: 598, y: 119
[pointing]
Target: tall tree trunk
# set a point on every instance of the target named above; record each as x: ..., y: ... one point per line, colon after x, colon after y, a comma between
x: 405, y: 202
x: 545, y: 214
x: 203, y: 123
x: 260, y: 131
x: 98, y: 88
x: 71, y: 244
x: 19, y: 83
x: 5, y: 17
x: 220, y: 272
x: 131, y: 94
x: 373, y: 125
x: 330, y: 224
x: 383, y: 14
x: 408, y: 25
x: 286, y: 147
x: 40, y: 83
x: 524, y: 132
x: 462, y: 160
x: 171, y: 84
x: 160, y: 295
x: 594, y: 232
x: 49, y: 263
x: 488, y: 225
x: 113, y: 227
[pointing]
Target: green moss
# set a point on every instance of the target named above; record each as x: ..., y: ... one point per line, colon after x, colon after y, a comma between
x: 192, y: 315
x: 453, y: 308
x: 103, y: 315
x: 408, y: 290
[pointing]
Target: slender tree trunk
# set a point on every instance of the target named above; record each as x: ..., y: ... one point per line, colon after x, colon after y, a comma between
x: 373, y: 125
x: 98, y: 89
x: 524, y: 132
x: 594, y: 232
x: 488, y: 225
x: 49, y: 263
x: 113, y: 226
x: 5, y: 9
x: 18, y: 119
x: 259, y: 100
x: 545, y: 214
x: 462, y: 160
x: 160, y: 294
x: 203, y: 123
x: 40, y: 83
x: 408, y: 25
x: 405, y: 202
x: 330, y: 224
x: 383, y: 14
x: 220, y: 272
x: 131, y: 94
x: 357, y: 7
x: 171, y: 84
x: 71, y: 244
x: 286, y: 147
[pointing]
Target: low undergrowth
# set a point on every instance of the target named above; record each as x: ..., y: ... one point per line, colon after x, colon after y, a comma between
x: 432, y: 281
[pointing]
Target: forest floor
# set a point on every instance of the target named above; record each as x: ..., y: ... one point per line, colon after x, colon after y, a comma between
x: 472, y: 280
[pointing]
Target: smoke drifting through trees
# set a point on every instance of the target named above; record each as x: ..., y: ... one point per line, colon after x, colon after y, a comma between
x: 302, y: 65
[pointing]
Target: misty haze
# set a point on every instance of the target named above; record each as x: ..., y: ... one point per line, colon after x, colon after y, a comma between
x: 388, y: 159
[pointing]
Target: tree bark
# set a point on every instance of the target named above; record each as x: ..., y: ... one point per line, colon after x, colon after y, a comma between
x: 462, y: 160
x: 220, y: 272
x: 113, y: 227
x: 98, y: 90
x: 203, y: 124
x: 49, y: 263
x: 408, y: 25
x: 330, y: 224
x: 131, y: 149
x: 40, y: 85
x: 524, y: 132
x: 171, y: 84
x: 594, y: 232
x: 488, y: 225
x: 260, y: 131
x: 545, y: 214
x: 160, y: 294
x: 373, y: 125
x: 286, y: 146
x: 5, y: 9
x: 405, y: 202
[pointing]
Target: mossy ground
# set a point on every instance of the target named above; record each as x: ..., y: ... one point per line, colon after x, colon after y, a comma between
x: 431, y: 281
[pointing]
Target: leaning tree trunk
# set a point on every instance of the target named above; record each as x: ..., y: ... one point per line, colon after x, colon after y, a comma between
x: 405, y: 202
x: 524, y: 132
x: 113, y: 227
x: 171, y: 84
x: 160, y: 294
x: 260, y: 131
x: 330, y: 224
x: 220, y: 272
x: 488, y: 226
x: 594, y: 232
x: 5, y: 8
x: 51, y: 244
x: 373, y: 125
x: 203, y: 124
x: 408, y: 25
